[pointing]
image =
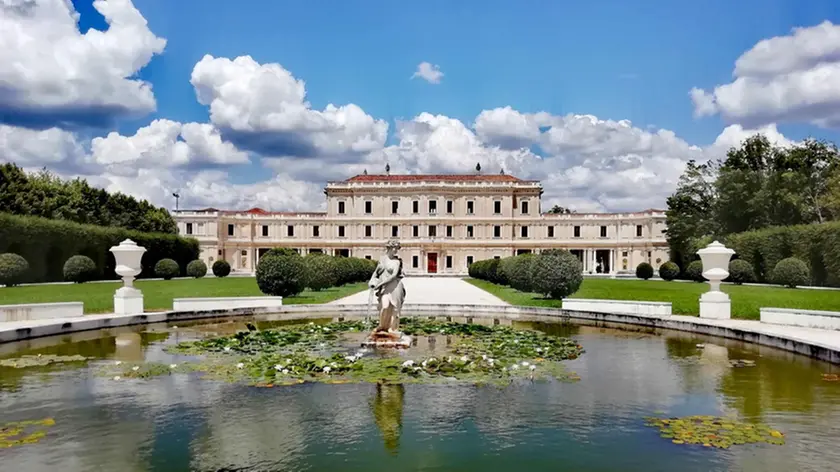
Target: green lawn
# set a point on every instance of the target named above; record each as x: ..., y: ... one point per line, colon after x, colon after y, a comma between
x: 158, y: 294
x: 684, y: 297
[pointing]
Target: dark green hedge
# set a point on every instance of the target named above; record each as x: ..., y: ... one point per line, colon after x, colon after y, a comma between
x: 47, y: 244
x: 817, y: 245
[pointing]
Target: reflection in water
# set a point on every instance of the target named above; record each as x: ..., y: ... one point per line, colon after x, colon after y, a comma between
x: 387, y: 408
x: 182, y: 422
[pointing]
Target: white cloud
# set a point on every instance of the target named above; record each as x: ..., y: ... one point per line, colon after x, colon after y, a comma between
x: 33, y: 148
x: 53, y: 75
x: 164, y: 143
x: 429, y: 72
x: 790, y: 78
x: 263, y: 108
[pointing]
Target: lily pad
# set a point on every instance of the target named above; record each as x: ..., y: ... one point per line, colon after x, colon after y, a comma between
x: 19, y: 433
x: 39, y: 360
x: 713, y: 431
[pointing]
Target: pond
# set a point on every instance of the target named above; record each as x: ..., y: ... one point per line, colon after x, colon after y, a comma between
x: 82, y: 419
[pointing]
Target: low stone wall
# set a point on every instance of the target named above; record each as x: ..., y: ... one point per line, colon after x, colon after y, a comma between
x: 803, y: 318
x: 40, y: 311
x: 225, y: 303
x: 618, y: 306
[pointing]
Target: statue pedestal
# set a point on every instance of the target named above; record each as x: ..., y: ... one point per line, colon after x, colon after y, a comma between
x: 386, y: 340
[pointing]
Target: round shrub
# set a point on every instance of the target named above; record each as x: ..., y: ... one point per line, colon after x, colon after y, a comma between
x: 13, y: 269
x: 644, y: 271
x: 694, y: 271
x: 167, y: 269
x: 555, y: 274
x: 221, y: 268
x: 321, y: 271
x: 519, y: 272
x: 281, y: 251
x: 669, y: 271
x: 791, y: 272
x: 281, y: 276
x: 79, y: 269
x: 197, y: 269
x: 741, y: 272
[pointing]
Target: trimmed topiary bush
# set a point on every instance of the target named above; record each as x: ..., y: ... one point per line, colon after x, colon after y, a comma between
x: 281, y: 276
x: 556, y: 274
x: 80, y: 269
x: 321, y: 271
x: 486, y: 270
x: 221, y: 268
x: 791, y: 272
x: 644, y: 271
x: 197, y: 269
x: 741, y: 272
x: 13, y: 269
x: 669, y: 271
x: 694, y: 271
x: 167, y: 269
x: 281, y: 251
x: 519, y: 272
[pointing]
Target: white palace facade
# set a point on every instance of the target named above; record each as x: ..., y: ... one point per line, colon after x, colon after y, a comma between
x: 443, y: 222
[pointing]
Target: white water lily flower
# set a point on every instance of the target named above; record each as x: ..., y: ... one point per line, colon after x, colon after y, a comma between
x: 432, y: 359
x: 326, y: 330
x: 240, y: 365
x: 312, y: 322
x: 533, y: 367
x: 504, y: 369
x: 174, y: 327
x: 327, y: 369
x: 118, y: 363
x: 227, y: 348
x: 172, y: 366
x: 514, y: 366
x: 117, y: 377
x: 333, y: 365
x: 135, y: 368
x: 350, y: 358
x: 525, y: 364
x: 464, y: 358
x: 484, y: 357
x: 539, y: 349
x: 423, y: 363
x: 416, y: 369
x: 278, y: 367
x: 285, y: 371
x: 408, y: 363
x: 515, y: 341
x: 449, y: 359
x: 288, y: 361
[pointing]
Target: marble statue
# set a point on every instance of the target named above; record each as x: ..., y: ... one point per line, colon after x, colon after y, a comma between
x: 387, y: 285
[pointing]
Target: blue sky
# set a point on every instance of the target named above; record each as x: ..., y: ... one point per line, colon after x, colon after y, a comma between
x: 520, y: 81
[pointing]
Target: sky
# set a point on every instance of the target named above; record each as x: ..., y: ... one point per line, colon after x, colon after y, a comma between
x: 260, y: 103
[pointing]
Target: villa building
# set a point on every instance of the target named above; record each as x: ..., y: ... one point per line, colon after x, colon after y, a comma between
x: 444, y: 223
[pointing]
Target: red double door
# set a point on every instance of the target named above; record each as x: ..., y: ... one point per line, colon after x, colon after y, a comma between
x: 431, y: 264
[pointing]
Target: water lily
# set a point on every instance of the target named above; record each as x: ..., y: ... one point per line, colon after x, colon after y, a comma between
x: 350, y: 358
x: 464, y: 358
x: 285, y: 371
x: 118, y: 363
x: 227, y: 348
x: 408, y: 363
x: 135, y: 368
x: 172, y: 366
x: 174, y: 327
x: 288, y: 361
x: 333, y: 365
x: 484, y: 357
x: 533, y: 367
x: 514, y: 366
x: 117, y: 377
x: 240, y: 365
x: 515, y: 341
x: 539, y: 349
x: 525, y: 364
x: 327, y: 369
x: 278, y: 367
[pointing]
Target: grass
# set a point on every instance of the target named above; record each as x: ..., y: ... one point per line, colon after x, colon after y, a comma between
x: 158, y: 294
x: 684, y: 296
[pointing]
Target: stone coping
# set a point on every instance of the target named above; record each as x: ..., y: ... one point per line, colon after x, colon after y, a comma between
x: 794, y: 311
x: 817, y: 343
x: 42, y: 305
x: 622, y: 302
x: 211, y: 299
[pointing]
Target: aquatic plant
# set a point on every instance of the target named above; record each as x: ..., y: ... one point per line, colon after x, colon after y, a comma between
x: 713, y: 431
x: 18, y: 433
x: 39, y: 360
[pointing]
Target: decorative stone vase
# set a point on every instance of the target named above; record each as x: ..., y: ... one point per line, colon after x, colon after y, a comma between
x: 128, y: 300
x: 714, y: 303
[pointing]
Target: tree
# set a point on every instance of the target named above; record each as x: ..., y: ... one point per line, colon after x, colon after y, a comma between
x: 558, y: 210
x: 690, y: 212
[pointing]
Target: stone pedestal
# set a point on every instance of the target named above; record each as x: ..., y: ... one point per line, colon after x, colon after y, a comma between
x: 128, y: 301
x: 715, y: 305
x: 386, y: 340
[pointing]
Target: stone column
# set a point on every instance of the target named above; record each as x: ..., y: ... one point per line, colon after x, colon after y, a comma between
x: 594, y: 261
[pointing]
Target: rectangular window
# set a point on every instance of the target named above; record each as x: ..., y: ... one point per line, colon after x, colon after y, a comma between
x: 265, y: 230
x: 497, y: 231
x: 638, y: 231
x: 497, y: 257
x: 415, y: 261
x: 497, y: 207
x: 524, y: 208
x: 448, y: 262
x: 368, y: 207
x: 577, y: 231
x: 469, y: 260
x: 340, y: 208
x: 624, y: 254
x: 523, y: 231
x: 290, y: 231
x: 448, y: 231
x: 470, y: 207
x: 449, y: 205
x: 395, y: 231
x: 368, y: 231
x: 469, y: 231
x: 316, y: 231
x: 395, y: 207
x: 341, y: 231
x: 415, y: 206
x: 415, y: 231
x: 432, y: 206
x: 189, y: 228
x: 432, y: 231
x: 551, y: 231
x: 230, y: 230
x: 603, y: 231
x: 367, y: 256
